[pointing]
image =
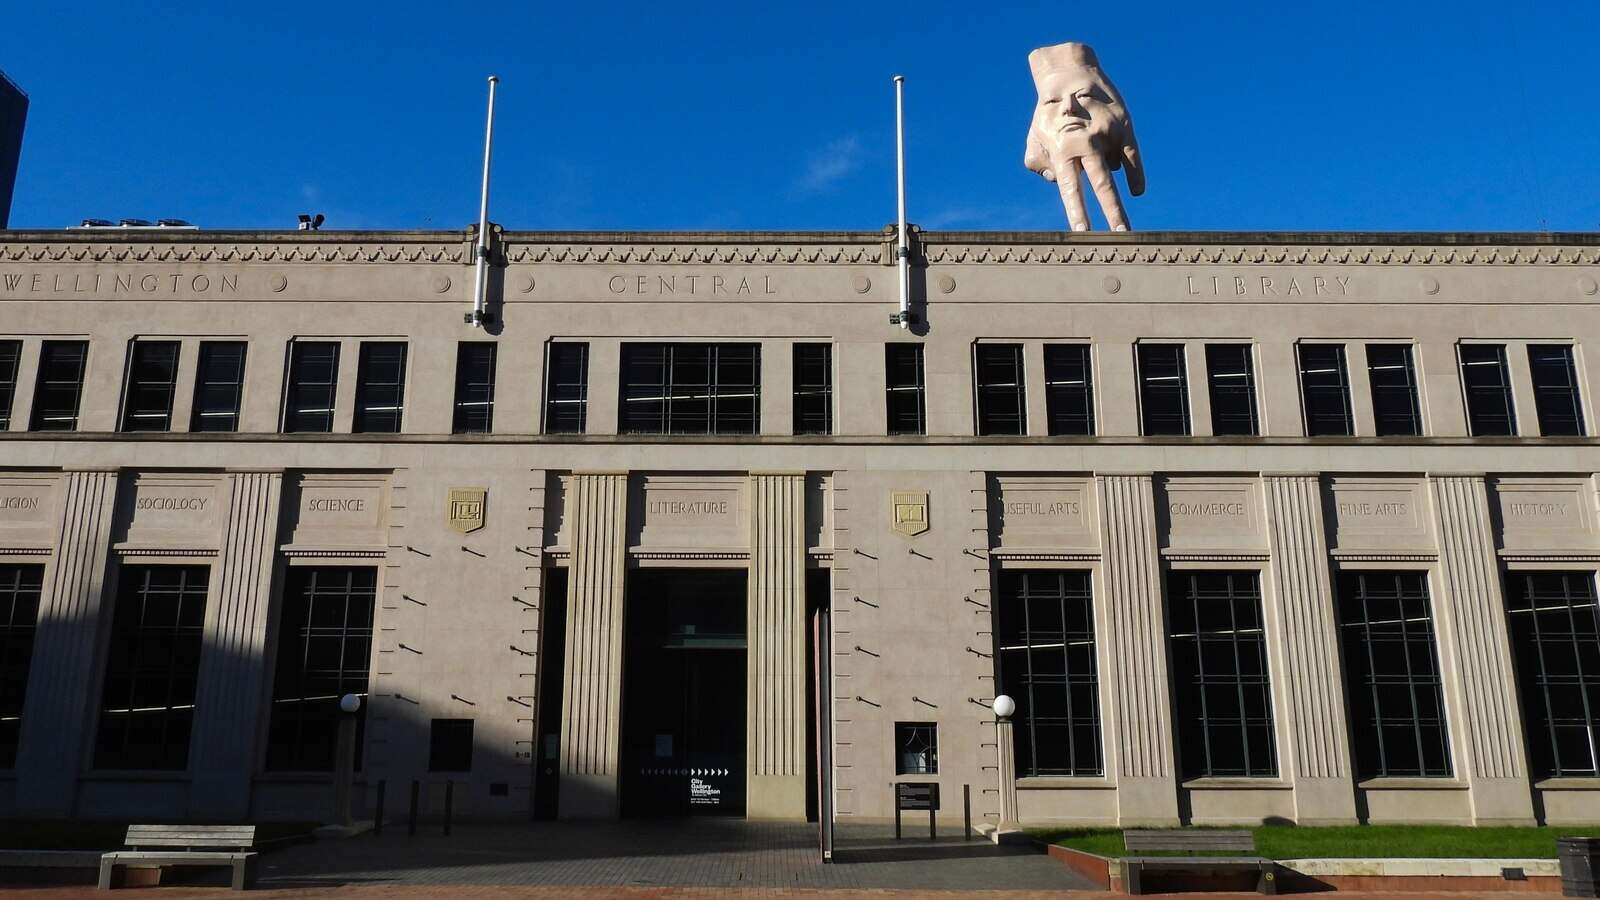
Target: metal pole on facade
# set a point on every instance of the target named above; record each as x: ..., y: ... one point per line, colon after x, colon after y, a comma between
x: 904, y: 251
x: 481, y: 249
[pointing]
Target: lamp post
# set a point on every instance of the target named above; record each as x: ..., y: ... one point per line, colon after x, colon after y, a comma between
x: 345, y: 760
x: 1008, y: 829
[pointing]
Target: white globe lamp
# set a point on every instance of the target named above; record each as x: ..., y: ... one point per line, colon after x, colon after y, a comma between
x: 1004, y: 706
x: 350, y: 702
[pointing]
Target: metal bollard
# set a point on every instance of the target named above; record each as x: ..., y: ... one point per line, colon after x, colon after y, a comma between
x: 449, y: 804
x: 377, y: 812
x: 967, y: 809
x: 411, y: 823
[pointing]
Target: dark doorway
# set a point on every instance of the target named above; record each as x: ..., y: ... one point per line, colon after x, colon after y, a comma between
x: 552, y: 675
x: 683, y: 693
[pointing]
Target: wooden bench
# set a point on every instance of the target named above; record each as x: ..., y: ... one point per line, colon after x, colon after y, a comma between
x: 1195, y: 841
x: 187, y: 845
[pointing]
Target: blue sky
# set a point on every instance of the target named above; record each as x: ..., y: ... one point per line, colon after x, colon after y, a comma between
x: 1289, y: 115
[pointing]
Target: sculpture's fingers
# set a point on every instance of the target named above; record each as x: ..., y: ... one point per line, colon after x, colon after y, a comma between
x: 1067, y: 180
x: 1132, y: 162
x: 1105, y: 190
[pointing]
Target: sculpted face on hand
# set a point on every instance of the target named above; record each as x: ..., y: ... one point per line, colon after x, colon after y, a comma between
x: 1081, y: 127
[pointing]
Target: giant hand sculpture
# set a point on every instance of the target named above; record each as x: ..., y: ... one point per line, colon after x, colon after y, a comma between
x: 1080, y: 126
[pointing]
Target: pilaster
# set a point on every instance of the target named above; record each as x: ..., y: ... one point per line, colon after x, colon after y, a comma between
x: 776, y: 664
x: 1310, y: 701
x: 1484, y: 722
x: 233, y: 664
x: 592, y: 692
x: 59, y: 710
x: 1136, y: 665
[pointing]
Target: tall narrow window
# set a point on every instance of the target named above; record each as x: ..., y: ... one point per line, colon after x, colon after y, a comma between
x: 1163, y: 389
x: 1487, y: 381
x: 147, y: 707
x: 10, y: 359
x: 474, y: 388
x: 152, y: 379
x: 566, y: 404
x: 916, y: 748
x: 324, y: 652
x: 1555, y: 389
x: 1392, y: 675
x: 1555, y: 632
x: 1223, y: 701
x: 1002, y: 400
x: 20, y: 586
x: 1068, y: 388
x: 380, y: 387
x: 313, y: 385
x: 690, y: 389
x: 1046, y: 663
x: 1232, y: 383
x: 218, y: 386
x: 907, y: 385
x: 813, y: 389
x: 1325, y: 390
x: 60, y: 385
x: 1395, y: 410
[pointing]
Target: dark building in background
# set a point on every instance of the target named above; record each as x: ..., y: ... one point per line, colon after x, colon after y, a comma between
x: 13, y: 115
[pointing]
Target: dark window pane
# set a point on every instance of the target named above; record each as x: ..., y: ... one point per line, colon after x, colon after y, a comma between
x: 1555, y: 634
x: 690, y: 389
x: 153, y: 662
x: 1555, y: 389
x: 218, y: 386
x: 60, y: 385
x: 10, y: 359
x: 1395, y: 410
x: 813, y: 388
x: 324, y: 652
x: 1392, y: 675
x: 313, y: 383
x: 916, y: 748
x: 474, y: 411
x: 1325, y: 390
x: 906, y: 381
x: 152, y: 378
x: 1163, y: 389
x: 1002, y: 398
x: 1068, y: 389
x: 567, y: 392
x: 380, y: 387
x: 450, y: 745
x: 1232, y: 381
x: 20, y: 588
x: 1222, y: 696
x: 1487, y: 382
x: 1045, y: 661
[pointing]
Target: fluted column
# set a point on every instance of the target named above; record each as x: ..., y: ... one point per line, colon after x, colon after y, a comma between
x: 233, y: 664
x: 591, y: 732
x: 59, y: 711
x: 1486, y: 727
x: 1312, y: 714
x: 1134, y: 653
x: 775, y: 661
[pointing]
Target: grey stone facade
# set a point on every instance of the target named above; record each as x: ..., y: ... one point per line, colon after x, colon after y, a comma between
x: 460, y: 616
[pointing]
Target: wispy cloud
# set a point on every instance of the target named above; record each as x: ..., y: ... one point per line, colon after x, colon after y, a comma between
x: 1014, y: 216
x: 830, y: 165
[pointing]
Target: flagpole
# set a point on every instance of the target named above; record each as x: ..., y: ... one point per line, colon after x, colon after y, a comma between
x: 481, y: 250
x: 904, y: 252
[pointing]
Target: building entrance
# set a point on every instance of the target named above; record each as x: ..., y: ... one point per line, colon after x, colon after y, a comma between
x: 683, y: 693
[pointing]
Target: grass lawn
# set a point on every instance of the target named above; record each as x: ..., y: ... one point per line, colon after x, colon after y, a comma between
x: 1417, y: 841
x: 59, y: 834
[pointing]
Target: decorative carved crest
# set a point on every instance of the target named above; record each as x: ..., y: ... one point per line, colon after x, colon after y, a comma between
x: 908, y: 512
x: 464, y: 509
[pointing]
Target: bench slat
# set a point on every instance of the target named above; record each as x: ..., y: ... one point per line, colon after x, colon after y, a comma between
x: 194, y: 836
x: 1188, y: 840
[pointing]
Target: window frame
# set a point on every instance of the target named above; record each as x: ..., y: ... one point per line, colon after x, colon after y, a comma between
x: 133, y: 386
x: 1013, y: 393
x: 1525, y: 615
x: 722, y: 394
x: 21, y: 592
x: 1191, y: 635
x: 1308, y: 417
x: 917, y: 389
x: 1030, y: 591
x: 904, y: 734
x: 1412, y: 389
x: 1573, y: 390
x: 463, y: 419
x: 10, y: 373
x: 360, y: 585
x: 1059, y: 393
x: 38, y: 416
x: 561, y: 395
x: 1506, y: 390
x: 293, y: 388
x: 804, y: 390
x: 365, y: 406
x: 1147, y: 388
x: 198, y: 414
x: 1214, y: 390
